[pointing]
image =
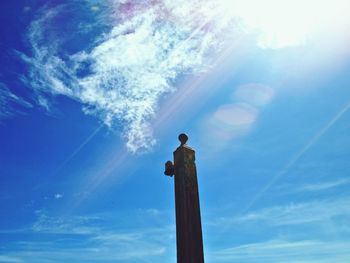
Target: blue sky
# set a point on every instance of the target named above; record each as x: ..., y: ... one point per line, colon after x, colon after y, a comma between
x: 93, y: 95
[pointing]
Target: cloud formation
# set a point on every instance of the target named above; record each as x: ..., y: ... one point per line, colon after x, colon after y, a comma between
x: 10, y: 103
x: 294, y: 232
x: 322, y: 186
x: 91, y: 238
x: 120, y: 57
x: 125, y: 70
x: 278, y: 250
x: 299, y: 213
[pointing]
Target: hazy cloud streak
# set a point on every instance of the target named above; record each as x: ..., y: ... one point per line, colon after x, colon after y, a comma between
x: 91, y: 238
x: 10, y: 101
x: 277, y: 250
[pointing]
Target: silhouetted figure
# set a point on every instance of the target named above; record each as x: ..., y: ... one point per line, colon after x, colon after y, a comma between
x: 188, y: 220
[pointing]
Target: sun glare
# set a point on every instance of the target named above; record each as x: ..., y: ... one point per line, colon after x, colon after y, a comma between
x: 283, y: 23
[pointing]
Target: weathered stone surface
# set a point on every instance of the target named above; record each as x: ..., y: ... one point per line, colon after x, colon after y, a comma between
x: 188, y: 220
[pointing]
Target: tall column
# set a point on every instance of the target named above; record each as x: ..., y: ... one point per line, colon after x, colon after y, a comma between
x: 188, y: 219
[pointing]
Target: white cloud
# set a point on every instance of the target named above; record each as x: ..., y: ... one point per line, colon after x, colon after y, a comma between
x: 324, y: 185
x: 79, y: 225
x: 126, y: 56
x: 122, y: 77
x: 58, y: 196
x: 10, y: 103
x: 9, y: 259
x: 95, y: 238
x: 273, y: 251
x: 317, y: 211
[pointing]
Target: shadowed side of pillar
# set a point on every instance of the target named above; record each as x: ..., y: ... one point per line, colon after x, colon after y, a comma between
x: 188, y: 219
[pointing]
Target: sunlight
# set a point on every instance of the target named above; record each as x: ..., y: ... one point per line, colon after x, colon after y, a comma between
x: 288, y: 23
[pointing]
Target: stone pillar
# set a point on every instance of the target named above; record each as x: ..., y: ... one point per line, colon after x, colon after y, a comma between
x: 188, y: 220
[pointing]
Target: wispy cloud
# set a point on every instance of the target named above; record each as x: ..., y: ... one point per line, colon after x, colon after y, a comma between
x: 91, y: 238
x: 123, y: 73
x: 79, y: 225
x: 119, y: 58
x: 55, y: 251
x: 273, y: 251
x: 317, y: 211
x: 10, y: 259
x: 323, y: 185
x: 10, y: 103
x: 310, y: 232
